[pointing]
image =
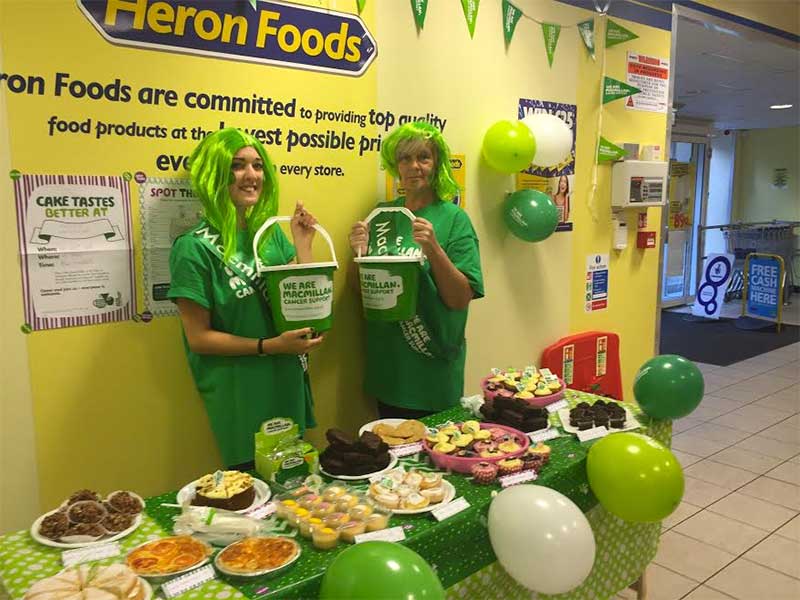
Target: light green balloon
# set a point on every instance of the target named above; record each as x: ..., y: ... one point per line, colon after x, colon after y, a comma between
x: 385, y: 570
x: 634, y: 477
x: 509, y: 146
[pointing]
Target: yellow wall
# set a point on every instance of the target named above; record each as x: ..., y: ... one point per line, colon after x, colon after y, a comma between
x: 632, y: 272
x: 18, y: 501
x: 114, y: 405
x: 758, y: 153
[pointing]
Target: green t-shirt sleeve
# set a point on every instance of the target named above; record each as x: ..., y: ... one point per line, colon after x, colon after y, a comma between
x: 463, y: 250
x: 190, y: 275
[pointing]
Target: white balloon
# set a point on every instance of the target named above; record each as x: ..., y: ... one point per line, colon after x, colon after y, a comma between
x: 553, y: 139
x: 541, y: 538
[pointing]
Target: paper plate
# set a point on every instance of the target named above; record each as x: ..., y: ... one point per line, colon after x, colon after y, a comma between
x: 391, y: 465
x: 630, y: 422
x: 369, y: 426
x: 263, y: 494
x: 103, y: 540
x: 449, y: 495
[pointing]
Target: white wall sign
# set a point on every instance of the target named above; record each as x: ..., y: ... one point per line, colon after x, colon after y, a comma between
x: 651, y: 75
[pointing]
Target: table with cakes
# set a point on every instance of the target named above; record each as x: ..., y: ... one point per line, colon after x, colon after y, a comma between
x: 275, y: 531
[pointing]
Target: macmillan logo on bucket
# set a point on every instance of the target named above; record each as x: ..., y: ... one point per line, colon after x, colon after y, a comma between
x: 273, y: 33
x: 306, y: 297
x: 379, y: 289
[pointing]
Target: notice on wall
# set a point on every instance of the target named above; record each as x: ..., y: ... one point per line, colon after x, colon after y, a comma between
x: 651, y: 75
x: 557, y: 181
x: 76, y: 250
x: 596, y: 282
x: 167, y: 208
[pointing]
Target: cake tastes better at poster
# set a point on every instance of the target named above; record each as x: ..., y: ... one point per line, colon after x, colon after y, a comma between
x: 556, y: 181
x: 76, y: 248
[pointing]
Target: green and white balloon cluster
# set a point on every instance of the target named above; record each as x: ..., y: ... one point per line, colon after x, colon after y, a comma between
x: 539, y: 140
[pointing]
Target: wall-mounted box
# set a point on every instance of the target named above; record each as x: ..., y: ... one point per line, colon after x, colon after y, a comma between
x: 638, y: 183
x: 645, y: 239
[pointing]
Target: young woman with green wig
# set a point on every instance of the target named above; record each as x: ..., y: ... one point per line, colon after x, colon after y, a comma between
x: 416, y: 367
x: 244, y: 370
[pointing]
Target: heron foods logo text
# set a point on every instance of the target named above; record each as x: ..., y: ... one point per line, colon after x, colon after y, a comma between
x: 273, y: 33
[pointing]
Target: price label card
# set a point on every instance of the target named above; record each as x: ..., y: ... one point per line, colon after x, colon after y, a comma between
x: 407, y: 450
x: 551, y: 408
x: 450, y: 509
x: 544, y: 435
x: 82, y: 555
x: 393, y: 534
x: 593, y: 433
x: 190, y: 581
x: 263, y: 511
x: 517, y: 478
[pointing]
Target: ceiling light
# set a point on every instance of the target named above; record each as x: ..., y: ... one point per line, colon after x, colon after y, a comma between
x: 781, y: 106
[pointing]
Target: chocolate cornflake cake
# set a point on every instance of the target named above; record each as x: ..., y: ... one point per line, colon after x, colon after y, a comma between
x: 116, y: 522
x: 348, y: 456
x: 84, y: 494
x: 86, y: 511
x: 90, y: 529
x: 515, y: 412
x: 54, y: 526
x: 125, y: 502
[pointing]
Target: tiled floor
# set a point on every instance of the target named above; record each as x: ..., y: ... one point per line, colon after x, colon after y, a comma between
x: 737, y: 532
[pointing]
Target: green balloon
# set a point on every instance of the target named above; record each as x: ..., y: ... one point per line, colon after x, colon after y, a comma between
x: 383, y: 570
x: 509, y: 146
x: 634, y: 477
x: 668, y: 387
x: 530, y: 215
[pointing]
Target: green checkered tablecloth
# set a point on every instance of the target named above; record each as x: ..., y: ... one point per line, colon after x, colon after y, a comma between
x: 623, y: 549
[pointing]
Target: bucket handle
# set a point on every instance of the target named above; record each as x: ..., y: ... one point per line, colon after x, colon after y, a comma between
x: 269, y: 223
x: 380, y: 209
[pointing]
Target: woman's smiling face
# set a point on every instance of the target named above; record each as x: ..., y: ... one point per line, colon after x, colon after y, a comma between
x: 248, y: 177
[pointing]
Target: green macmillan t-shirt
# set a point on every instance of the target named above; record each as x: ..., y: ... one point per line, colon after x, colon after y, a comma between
x: 240, y: 392
x: 431, y: 375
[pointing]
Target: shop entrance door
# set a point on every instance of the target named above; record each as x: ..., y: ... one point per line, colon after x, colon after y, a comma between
x: 688, y: 187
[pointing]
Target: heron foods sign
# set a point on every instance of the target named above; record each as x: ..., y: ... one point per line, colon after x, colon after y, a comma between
x: 273, y: 33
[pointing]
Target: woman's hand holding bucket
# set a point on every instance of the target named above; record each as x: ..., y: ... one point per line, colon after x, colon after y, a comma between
x: 359, y: 238
x: 302, y: 225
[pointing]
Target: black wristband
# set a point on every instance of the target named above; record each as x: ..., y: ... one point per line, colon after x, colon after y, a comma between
x: 261, y: 346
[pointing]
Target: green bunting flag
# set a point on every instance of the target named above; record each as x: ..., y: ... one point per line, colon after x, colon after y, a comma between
x: 470, y: 14
x: 253, y: 4
x: 586, y: 31
x: 550, y: 33
x: 607, y: 151
x: 360, y: 4
x: 614, y: 90
x: 420, y: 9
x: 616, y: 34
x: 511, y: 15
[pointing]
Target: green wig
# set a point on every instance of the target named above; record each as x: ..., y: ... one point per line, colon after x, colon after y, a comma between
x: 210, y: 169
x: 443, y: 183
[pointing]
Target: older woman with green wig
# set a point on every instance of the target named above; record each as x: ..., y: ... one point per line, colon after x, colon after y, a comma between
x: 416, y: 367
x: 244, y: 370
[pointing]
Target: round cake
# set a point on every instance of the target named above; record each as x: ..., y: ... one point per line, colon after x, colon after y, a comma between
x: 229, y: 490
